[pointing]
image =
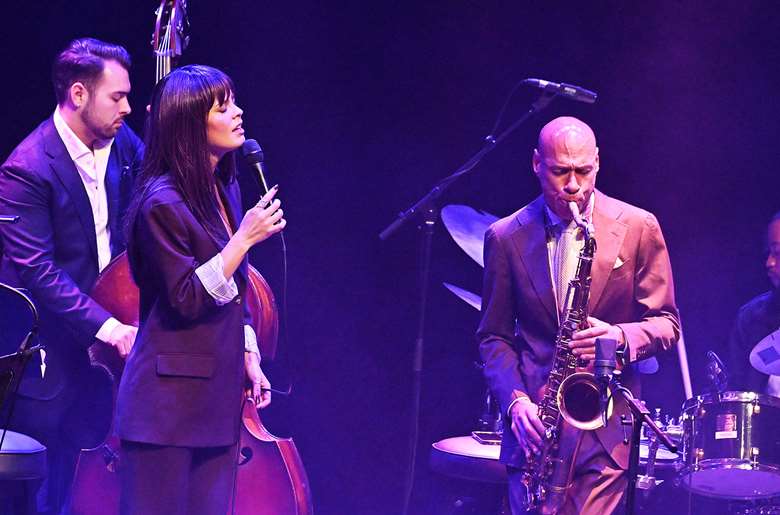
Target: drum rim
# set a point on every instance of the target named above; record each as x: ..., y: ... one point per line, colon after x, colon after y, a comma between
x: 725, y: 464
x: 732, y: 396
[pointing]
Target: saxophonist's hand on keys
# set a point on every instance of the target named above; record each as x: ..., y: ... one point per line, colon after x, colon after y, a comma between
x: 526, y: 426
x: 583, y: 342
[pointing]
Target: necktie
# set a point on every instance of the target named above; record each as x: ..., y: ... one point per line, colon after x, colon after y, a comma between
x: 565, y: 262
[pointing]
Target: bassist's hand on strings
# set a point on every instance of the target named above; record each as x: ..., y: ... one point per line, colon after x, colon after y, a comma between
x: 122, y: 337
x: 526, y: 426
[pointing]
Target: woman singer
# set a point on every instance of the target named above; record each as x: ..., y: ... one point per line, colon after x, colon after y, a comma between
x: 180, y: 399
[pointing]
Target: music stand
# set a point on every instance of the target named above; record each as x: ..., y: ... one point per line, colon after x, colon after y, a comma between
x: 12, y: 365
x: 11, y: 370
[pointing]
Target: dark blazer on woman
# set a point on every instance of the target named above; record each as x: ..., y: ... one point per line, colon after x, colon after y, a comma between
x: 183, y: 382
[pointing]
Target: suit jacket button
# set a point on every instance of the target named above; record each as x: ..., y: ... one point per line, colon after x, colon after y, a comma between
x: 238, y: 299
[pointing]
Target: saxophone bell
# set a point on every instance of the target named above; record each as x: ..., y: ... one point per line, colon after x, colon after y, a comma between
x: 579, y: 401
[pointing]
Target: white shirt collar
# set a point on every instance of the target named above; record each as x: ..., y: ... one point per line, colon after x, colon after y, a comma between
x: 75, y: 147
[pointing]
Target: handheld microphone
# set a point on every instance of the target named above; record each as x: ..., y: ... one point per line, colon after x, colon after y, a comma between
x: 603, y: 367
x: 254, y: 157
x: 571, y: 91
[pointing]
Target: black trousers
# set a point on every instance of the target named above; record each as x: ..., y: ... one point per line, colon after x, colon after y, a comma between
x: 165, y: 480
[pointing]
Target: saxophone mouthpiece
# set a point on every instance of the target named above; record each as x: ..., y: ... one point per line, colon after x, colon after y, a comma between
x: 574, y: 209
x: 586, y: 227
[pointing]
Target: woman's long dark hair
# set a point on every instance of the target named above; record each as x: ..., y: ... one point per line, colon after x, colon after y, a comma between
x: 176, y: 144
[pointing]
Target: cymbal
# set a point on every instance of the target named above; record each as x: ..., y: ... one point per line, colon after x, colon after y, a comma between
x: 472, y: 299
x: 646, y: 366
x: 467, y: 227
x: 765, y: 356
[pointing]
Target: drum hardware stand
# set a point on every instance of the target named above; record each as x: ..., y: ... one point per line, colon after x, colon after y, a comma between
x: 426, y: 209
x: 640, y: 414
x: 647, y: 481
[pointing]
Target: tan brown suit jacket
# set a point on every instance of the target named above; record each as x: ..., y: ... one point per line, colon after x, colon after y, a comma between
x: 631, y: 287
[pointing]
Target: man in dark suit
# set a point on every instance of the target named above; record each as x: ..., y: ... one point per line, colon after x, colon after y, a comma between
x: 530, y: 257
x: 756, y: 320
x: 69, y: 181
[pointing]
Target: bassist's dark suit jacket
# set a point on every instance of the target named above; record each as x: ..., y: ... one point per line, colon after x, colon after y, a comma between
x: 52, y: 251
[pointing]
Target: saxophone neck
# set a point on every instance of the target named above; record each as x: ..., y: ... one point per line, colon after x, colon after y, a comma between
x: 587, y: 227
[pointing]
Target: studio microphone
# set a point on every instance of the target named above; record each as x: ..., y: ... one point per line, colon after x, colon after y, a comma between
x: 254, y: 157
x: 567, y: 90
x: 603, y: 367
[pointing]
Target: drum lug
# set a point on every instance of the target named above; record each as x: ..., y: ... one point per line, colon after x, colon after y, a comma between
x: 754, y: 457
x: 698, y: 455
x: 756, y: 407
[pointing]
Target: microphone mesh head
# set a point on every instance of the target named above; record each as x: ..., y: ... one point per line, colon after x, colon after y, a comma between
x: 605, y: 349
x: 252, y: 152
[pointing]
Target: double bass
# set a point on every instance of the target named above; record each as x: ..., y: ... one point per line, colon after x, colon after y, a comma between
x: 270, y: 478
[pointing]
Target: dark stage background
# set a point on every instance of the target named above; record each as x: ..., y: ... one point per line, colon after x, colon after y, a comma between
x: 361, y: 106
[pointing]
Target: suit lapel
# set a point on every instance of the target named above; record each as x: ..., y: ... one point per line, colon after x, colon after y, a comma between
x: 65, y: 170
x: 230, y: 205
x: 233, y: 211
x: 114, y: 173
x: 531, y: 242
x: 610, y: 232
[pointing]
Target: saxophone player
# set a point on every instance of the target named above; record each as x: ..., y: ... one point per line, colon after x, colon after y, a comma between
x: 530, y: 258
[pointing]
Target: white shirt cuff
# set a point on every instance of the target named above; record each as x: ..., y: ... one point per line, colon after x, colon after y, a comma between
x: 250, y: 340
x: 212, y: 275
x: 104, y: 333
x: 515, y: 401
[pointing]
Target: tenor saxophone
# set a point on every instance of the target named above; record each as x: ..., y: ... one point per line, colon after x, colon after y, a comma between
x: 569, y: 395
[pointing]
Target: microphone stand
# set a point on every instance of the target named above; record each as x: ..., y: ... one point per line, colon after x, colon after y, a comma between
x: 427, y: 210
x: 640, y: 414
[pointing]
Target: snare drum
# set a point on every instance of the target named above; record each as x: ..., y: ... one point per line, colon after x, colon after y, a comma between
x: 731, y: 446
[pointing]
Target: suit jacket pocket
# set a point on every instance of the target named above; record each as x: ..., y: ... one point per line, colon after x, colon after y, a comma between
x: 185, y: 365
